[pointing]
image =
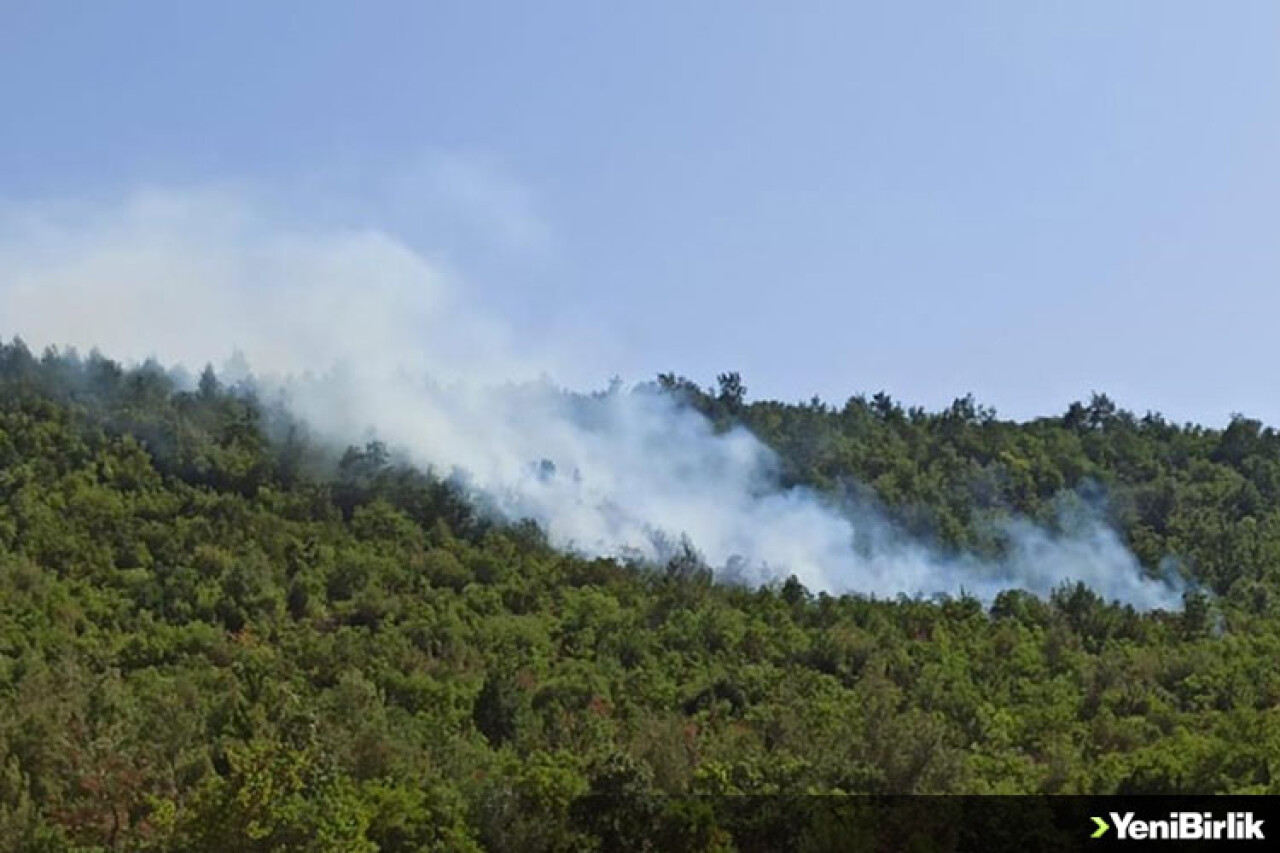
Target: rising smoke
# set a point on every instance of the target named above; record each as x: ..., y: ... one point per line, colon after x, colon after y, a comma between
x: 359, y: 332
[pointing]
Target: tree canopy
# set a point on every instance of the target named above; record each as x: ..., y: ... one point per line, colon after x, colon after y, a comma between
x: 215, y: 634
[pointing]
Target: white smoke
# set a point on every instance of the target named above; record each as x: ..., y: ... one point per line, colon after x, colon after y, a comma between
x: 361, y: 332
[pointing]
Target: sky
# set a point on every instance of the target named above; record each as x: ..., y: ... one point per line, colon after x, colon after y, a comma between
x: 1024, y: 201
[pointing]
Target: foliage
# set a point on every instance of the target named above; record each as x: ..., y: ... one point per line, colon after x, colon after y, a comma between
x: 215, y: 635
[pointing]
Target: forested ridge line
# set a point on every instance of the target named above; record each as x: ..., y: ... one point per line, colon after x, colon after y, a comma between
x: 216, y: 634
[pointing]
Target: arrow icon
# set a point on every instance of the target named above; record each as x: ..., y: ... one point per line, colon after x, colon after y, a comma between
x: 1103, y: 826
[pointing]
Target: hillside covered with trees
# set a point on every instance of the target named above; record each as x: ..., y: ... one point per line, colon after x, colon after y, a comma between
x: 217, y: 634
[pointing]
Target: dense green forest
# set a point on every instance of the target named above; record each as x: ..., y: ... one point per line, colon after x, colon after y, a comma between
x: 216, y: 634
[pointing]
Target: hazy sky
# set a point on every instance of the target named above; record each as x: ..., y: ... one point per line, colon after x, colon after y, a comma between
x: 1023, y: 200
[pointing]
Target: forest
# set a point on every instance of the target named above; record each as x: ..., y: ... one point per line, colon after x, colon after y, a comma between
x: 217, y: 633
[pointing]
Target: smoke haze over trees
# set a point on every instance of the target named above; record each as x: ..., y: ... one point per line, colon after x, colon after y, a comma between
x: 358, y: 335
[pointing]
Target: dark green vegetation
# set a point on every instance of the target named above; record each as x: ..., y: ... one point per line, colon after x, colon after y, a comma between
x: 209, y: 643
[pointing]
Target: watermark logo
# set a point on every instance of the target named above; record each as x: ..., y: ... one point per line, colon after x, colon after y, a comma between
x: 1182, y: 826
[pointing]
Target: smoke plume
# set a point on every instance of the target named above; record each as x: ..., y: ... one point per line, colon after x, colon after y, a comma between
x: 360, y: 332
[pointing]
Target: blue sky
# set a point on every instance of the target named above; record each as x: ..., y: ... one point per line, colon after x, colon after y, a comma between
x: 1026, y: 201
